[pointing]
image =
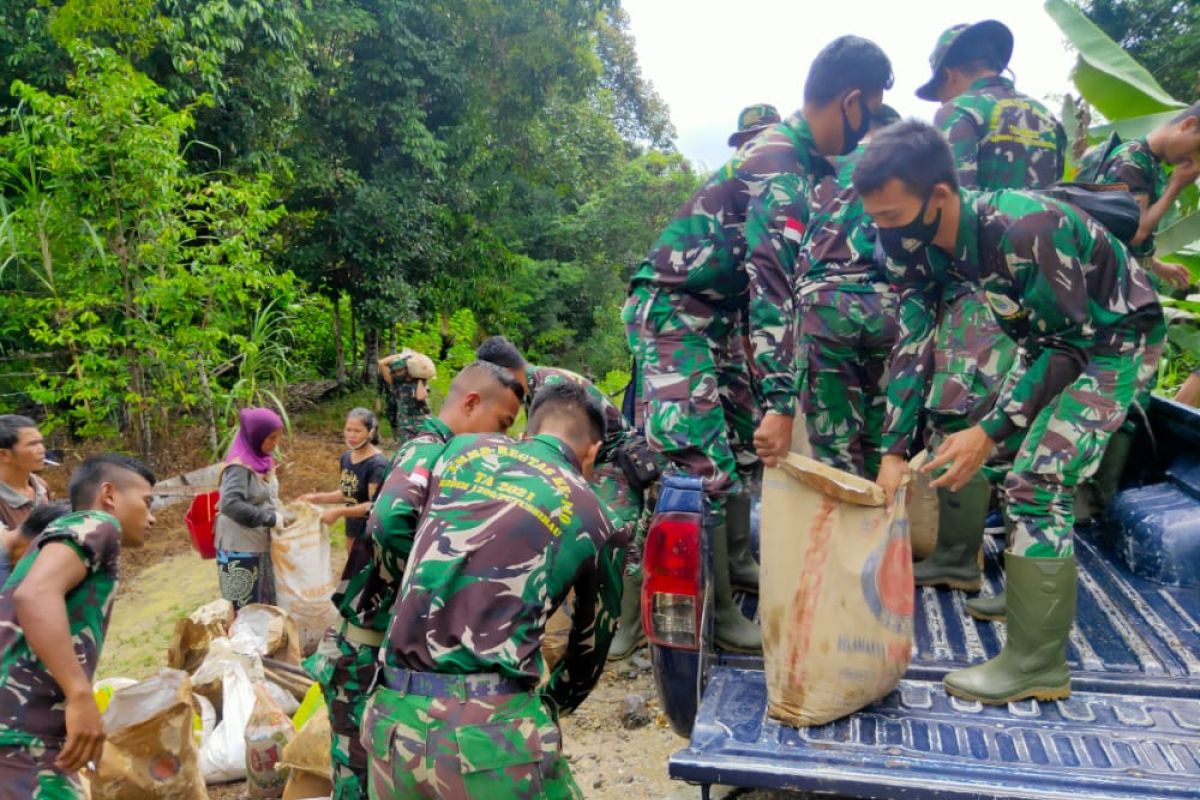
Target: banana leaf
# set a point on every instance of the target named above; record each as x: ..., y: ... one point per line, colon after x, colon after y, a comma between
x: 1179, y: 235
x: 1108, y: 77
x: 1133, y: 127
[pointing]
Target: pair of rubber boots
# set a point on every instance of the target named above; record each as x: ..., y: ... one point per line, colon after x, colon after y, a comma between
x: 733, y: 567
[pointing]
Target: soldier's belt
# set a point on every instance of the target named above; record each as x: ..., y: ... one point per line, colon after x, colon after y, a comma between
x: 463, y: 687
x: 361, y: 636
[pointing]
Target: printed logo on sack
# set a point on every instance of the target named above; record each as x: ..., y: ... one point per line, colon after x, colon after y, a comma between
x: 887, y: 580
x: 163, y: 767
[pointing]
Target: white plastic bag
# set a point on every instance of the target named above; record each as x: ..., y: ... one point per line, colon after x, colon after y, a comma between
x: 304, y: 579
x: 223, y: 756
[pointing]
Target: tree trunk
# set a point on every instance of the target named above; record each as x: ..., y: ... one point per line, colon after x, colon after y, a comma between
x: 353, y: 339
x: 370, y: 355
x: 210, y: 414
x: 339, y: 346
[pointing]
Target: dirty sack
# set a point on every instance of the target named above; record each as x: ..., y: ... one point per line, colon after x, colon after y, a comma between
x: 223, y: 753
x: 307, y: 759
x: 270, y: 630
x: 304, y: 579
x: 836, y: 593
x: 193, y: 634
x: 150, y: 750
x: 267, y: 733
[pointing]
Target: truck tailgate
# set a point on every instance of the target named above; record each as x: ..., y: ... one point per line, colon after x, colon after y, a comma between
x: 1130, y: 730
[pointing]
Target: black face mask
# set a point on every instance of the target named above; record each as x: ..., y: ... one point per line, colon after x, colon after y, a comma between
x: 906, y: 244
x: 852, y: 136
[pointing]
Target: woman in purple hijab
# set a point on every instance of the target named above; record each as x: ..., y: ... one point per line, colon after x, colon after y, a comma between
x: 248, y: 510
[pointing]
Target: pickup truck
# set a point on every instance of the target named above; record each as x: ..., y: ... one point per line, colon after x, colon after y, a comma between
x: 1131, y: 728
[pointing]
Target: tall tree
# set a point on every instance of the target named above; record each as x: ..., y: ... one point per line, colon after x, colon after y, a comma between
x: 1162, y: 35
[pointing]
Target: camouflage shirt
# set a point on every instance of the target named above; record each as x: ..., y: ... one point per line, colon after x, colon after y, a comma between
x: 1002, y: 139
x: 1058, y: 283
x: 839, y: 247
x: 370, y: 581
x: 509, y: 530
x: 615, y: 425
x: 32, y: 711
x: 1134, y: 164
x: 736, y: 241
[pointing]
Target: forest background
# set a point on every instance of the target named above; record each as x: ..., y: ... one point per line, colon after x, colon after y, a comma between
x: 204, y: 200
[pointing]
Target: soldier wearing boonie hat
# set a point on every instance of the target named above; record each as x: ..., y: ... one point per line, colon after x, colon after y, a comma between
x: 752, y: 121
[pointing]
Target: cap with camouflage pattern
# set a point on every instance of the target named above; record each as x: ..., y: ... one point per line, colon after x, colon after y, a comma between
x: 960, y: 39
x: 753, y: 120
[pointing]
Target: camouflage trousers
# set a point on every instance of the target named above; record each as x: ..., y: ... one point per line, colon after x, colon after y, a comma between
x: 623, y: 504
x: 29, y: 774
x: 346, y: 673
x: 490, y: 748
x: 972, y: 356
x: 695, y: 401
x: 1065, y: 444
x: 846, y: 338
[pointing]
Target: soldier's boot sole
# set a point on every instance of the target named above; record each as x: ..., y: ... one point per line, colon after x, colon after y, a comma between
x: 1041, y: 599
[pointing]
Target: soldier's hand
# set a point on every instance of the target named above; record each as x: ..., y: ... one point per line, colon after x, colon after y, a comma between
x: 1176, y: 275
x: 892, y: 470
x: 965, y: 452
x: 773, y: 439
x: 85, y: 733
x: 1185, y: 174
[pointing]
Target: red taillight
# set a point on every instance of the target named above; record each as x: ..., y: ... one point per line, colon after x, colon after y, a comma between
x: 671, y: 601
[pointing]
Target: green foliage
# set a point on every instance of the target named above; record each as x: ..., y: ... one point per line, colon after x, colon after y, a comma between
x: 1162, y: 35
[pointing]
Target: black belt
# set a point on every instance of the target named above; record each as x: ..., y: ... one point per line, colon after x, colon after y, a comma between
x: 464, y: 687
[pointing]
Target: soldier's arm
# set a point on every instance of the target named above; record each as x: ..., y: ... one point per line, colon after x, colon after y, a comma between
x: 963, y: 131
x: 1056, y: 291
x: 392, y: 523
x: 41, y: 609
x: 911, y: 364
x: 776, y: 219
x: 597, y: 608
x: 385, y: 367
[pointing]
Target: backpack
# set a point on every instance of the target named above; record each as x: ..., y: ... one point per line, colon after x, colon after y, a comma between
x: 1096, y: 159
x: 1112, y: 205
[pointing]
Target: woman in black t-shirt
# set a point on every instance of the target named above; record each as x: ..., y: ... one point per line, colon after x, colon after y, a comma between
x: 362, y: 469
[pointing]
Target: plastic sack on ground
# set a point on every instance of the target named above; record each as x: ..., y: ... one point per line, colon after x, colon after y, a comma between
x: 208, y: 677
x: 104, y: 690
x: 267, y: 733
x: 307, y: 759
x: 283, y: 698
x: 150, y: 752
x: 223, y: 755
x: 922, y: 508
x: 836, y: 594
x: 267, y: 631
x: 194, y: 633
x: 304, y: 579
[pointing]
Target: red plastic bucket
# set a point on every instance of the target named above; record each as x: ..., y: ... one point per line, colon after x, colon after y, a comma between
x: 200, y: 519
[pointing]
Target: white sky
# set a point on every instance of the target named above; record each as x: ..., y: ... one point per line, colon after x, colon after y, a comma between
x: 709, y: 58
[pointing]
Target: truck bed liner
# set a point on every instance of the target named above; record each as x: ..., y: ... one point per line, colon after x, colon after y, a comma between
x: 1130, y: 730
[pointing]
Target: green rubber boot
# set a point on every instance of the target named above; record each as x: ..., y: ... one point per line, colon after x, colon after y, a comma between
x: 630, y: 635
x: 954, y: 562
x: 987, y: 609
x: 743, y: 569
x: 1041, y: 609
x: 732, y: 630
x: 1092, y: 497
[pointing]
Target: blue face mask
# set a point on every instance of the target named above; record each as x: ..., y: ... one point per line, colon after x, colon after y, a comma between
x: 906, y: 244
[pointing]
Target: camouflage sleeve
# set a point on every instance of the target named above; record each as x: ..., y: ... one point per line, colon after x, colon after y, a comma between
x: 912, y: 361
x: 963, y: 131
x: 597, y: 608
x: 776, y: 218
x: 96, y: 542
x: 392, y: 524
x: 1055, y: 299
x: 1132, y: 168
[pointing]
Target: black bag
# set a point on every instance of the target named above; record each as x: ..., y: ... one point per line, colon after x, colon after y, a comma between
x: 639, y: 463
x: 1111, y: 205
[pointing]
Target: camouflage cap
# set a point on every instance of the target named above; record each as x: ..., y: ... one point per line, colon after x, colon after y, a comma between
x: 752, y: 120
x: 958, y: 39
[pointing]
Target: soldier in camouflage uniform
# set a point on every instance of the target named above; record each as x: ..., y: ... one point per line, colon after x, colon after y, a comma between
x: 482, y: 399
x: 847, y: 324
x: 1091, y: 330
x: 1001, y: 139
x: 509, y: 529
x: 619, y: 497
x: 404, y: 384
x: 50, y: 727
x: 1139, y: 164
x: 752, y: 121
x: 732, y: 248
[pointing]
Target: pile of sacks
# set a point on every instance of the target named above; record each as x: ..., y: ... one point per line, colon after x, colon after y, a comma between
x: 233, y: 704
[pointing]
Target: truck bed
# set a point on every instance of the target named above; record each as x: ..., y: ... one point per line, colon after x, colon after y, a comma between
x: 1130, y: 730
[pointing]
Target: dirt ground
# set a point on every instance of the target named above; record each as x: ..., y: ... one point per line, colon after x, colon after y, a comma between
x: 167, y: 580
